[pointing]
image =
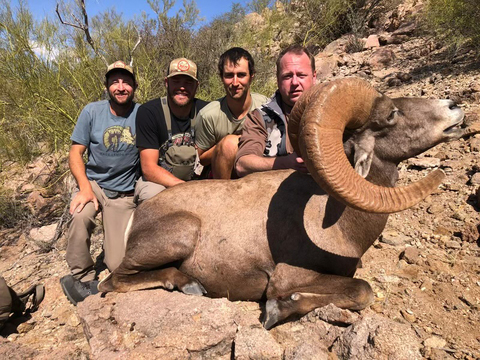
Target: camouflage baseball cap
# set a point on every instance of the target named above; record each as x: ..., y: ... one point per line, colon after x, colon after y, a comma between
x: 119, y: 65
x: 182, y: 66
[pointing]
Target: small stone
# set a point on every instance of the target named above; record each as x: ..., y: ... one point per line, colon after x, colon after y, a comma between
x: 435, y: 342
x: 335, y: 315
x: 25, y: 327
x: 12, y: 337
x: 73, y: 320
x: 452, y: 187
x: 475, y: 145
x: 452, y: 244
x: 377, y: 307
x: 408, y: 315
x: 372, y: 42
x: 458, y: 215
x: 410, y: 255
x: 475, y: 179
x: 469, y: 300
x: 394, y: 238
x: 435, y: 209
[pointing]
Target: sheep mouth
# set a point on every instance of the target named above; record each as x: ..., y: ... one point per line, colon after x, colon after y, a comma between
x: 455, y: 129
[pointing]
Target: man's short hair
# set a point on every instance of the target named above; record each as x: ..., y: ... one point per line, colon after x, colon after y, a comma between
x: 234, y: 55
x: 296, y: 49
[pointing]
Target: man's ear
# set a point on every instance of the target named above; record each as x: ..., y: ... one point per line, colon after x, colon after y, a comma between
x: 364, y: 154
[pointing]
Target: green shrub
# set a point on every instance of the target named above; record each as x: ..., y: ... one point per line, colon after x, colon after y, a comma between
x: 455, y: 20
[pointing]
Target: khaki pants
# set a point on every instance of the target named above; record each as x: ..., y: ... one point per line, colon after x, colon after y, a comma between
x: 115, y: 214
x: 145, y: 190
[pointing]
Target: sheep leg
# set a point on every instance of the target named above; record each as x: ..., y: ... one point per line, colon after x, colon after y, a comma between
x: 168, y: 278
x: 152, y: 248
x: 292, y: 290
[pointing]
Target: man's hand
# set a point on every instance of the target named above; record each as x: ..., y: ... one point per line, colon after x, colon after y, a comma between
x: 290, y: 161
x: 81, y: 199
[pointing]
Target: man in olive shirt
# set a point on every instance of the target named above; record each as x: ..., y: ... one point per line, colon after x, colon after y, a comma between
x: 219, y: 124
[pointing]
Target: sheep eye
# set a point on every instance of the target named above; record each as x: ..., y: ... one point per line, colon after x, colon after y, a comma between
x: 392, y: 115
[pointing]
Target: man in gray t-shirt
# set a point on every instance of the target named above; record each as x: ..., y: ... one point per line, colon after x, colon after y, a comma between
x: 106, y: 130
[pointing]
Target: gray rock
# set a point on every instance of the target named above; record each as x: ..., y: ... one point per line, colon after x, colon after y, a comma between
x: 247, y: 344
x: 123, y: 325
x: 381, y: 58
x: 43, y: 234
x: 372, y: 42
x: 374, y: 337
x: 308, y: 338
x: 335, y: 315
x: 394, y: 238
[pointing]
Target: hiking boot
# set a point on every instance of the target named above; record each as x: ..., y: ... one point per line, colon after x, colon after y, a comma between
x: 76, y: 290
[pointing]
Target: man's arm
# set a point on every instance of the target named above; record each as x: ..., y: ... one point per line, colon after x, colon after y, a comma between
x: 77, y: 167
x: 252, y: 146
x: 204, y: 139
x: 205, y: 156
x: 253, y: 163
x: 154, y: 172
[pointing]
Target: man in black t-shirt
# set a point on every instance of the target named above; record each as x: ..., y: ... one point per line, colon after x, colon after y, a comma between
x: 165, y: 137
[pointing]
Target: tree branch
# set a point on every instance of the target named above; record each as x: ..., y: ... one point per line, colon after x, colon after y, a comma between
x: 82, y: 26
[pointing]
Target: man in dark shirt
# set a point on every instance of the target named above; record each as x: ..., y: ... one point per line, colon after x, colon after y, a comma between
x: 165, y: 136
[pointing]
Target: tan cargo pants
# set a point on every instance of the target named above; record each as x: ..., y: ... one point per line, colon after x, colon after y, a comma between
x: 115, y: 215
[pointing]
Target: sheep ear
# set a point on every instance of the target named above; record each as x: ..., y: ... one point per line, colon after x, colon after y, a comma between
x: 364, y: 154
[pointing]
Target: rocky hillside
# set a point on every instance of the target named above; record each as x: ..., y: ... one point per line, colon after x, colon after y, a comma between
x: 424, y: 269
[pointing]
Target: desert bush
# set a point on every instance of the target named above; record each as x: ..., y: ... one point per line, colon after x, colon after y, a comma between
x: 455, y: 20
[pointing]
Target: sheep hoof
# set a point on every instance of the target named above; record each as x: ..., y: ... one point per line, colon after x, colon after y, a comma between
x: 193, y: 288
x: 272, y: 314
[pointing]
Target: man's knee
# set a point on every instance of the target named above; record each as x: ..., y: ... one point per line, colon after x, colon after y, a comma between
x: 228, y: 146
x: 145, y: 190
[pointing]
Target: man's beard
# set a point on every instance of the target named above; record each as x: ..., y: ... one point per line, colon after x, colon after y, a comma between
x: 125, y: 103
x: 171, y: 95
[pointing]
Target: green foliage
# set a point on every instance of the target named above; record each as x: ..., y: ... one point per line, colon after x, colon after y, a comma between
x: 258, y: 5
x: 455, y: 20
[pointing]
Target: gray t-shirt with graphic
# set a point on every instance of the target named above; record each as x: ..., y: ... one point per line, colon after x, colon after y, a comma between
x: 113, y: 158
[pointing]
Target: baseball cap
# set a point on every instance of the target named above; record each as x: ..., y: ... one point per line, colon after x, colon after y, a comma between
x: 119, y: 65
x: 182, y: 66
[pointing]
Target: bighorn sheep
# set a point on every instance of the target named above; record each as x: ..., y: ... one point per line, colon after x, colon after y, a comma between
x: 278, y: 235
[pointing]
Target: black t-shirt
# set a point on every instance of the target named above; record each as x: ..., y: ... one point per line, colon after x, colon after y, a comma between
x: 152, y: 130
